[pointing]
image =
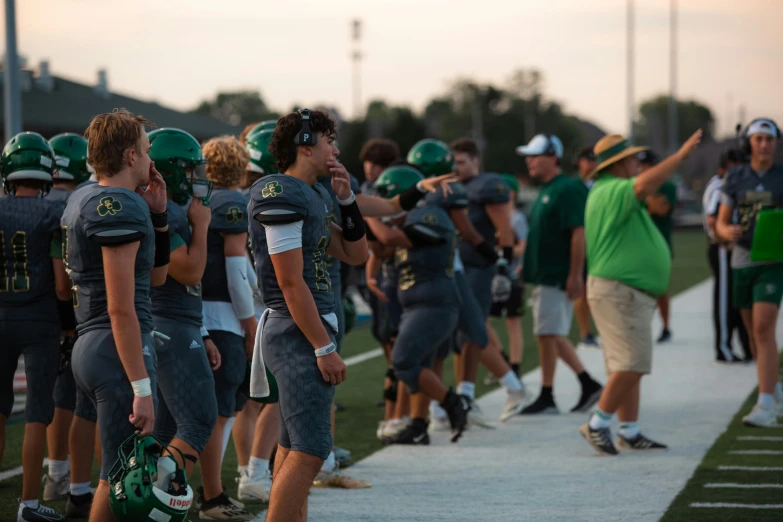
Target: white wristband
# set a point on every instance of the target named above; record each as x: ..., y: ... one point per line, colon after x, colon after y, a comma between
x: 142, y: 388
x: 346, y: 202
x: 326, y: 350
x: 420, y: 187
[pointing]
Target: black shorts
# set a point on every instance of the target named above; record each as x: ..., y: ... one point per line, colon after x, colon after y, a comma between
x: 514, y: 306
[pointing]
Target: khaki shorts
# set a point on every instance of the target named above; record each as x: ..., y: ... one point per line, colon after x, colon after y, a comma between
x: 623, y: 316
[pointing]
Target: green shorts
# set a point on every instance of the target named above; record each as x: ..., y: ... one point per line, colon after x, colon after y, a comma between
x: 757, y: 284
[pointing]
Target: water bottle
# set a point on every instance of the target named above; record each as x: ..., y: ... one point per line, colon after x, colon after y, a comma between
x: 167, y: 470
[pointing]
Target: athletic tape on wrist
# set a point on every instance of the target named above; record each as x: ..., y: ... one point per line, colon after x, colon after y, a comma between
x: 142, y: 387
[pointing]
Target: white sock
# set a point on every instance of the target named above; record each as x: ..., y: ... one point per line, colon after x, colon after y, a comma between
x: 467, y: 388
x: 629, y: 430
x: 436, y: 411
x: 779, y: 389
x: 242, y: 470
x: 766, y: 401
x: 227, y: 436
x: 257, y: 468
x: 600, y: 419
x: 511, y: 381
x: 81, y: 488
x: 58, y: 468
x: 32, y: 504
x: 329, y: 463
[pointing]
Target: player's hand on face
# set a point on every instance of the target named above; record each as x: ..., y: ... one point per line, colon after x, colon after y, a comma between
x: 155, y: 195
x: 341, y: 180
x: 198, y: 214
x: 332, y: 368
x: 213, y: 354
x: 143, y: 416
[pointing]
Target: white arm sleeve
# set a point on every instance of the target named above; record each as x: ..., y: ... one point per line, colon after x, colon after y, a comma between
x: 239, y: 287
x: 282, y: 238
x: 252, y: 278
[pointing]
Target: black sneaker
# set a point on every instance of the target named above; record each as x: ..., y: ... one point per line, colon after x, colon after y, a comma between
x: 600, y: 439
x: 589, y: 398
x: 78, y: 506
x: 414, y: 434
x: 457, y: 408
x: 640, y: 442
x: 542, y: 405
x: 40, y: 514
x: 665, y: 337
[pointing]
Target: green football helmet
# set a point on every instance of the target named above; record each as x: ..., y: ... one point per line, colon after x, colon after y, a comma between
x: 135, y: 490
x: 395, y: 180
x: 261, y: 160
x: 178, y: 158
x: 264, y: 125
x: 432, y: 158
x: 70, y: 153
x: 27, y: 156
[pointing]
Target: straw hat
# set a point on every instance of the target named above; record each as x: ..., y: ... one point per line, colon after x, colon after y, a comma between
x: 610, y: 149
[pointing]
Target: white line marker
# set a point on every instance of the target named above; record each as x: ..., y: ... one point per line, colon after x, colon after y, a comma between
x: 729, y: 485
x: 756, y: 452
x: 5, y: 475
x: 749, y: 468
x: 728, y: 505
x: 366, y: 356
x: 754, y: 437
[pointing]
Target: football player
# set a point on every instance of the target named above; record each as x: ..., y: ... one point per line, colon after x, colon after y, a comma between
x: 228, y: 312
x: 31, y: 283
x: 187, y: 408
x: 116, y: 247
x: 292, y: 233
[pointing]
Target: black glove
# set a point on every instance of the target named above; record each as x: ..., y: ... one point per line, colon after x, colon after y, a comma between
x: 66, y: 347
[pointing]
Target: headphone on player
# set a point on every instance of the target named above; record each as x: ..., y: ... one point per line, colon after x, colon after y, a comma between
x: 305, y: 136
x: 743, y: 138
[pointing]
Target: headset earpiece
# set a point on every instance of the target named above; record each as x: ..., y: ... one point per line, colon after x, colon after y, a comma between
x: 305, y: 136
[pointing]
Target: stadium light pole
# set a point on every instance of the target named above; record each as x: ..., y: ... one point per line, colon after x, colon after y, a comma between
x: 673, y: 116
x: 629, y: 68
x: 13, y: 100
x: 356, y: 58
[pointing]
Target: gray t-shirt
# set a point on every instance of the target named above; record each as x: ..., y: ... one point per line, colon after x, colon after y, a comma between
x: 519, y: 225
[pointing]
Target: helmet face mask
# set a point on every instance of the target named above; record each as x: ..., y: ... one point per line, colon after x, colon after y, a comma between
x: 70, y: 151
x: 178, y: 158
x: 27, y: 157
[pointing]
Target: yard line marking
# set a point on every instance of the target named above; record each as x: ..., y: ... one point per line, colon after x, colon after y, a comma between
x: 756, y: 452
x: 749, y: 468
x: 754, y: 437
x: 729, y: 485
x: 366, y: 356
x: 726, y: 505
x: 11, y: 473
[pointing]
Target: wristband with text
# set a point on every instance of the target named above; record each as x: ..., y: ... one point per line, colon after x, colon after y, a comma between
x: 326, y: 350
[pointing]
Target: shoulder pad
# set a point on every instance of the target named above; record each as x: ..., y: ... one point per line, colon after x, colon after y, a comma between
x: 457, y: 199
x: 229, y: 212
x: 115, y: 216
x: 489, y: 189
x: 279, y: 200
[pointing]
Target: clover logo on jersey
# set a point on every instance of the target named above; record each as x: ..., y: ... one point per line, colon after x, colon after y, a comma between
x: 234, y: 215
x: 271, y: 189
x: 429, y: 219
x: 109, y: 205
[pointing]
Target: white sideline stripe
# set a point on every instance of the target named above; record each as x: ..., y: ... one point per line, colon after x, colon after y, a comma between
x: 730, y: 485
x: 754, y: 437
x: 11, y: 473
x: 728, y: 505
x: 366, y: 356
x: 749, y: 468
x: 756, y: 452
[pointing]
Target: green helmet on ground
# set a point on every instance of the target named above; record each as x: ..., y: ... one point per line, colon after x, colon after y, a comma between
x: 261, y: 160
x: 395, y: 180
x: 137, y: 492
x: 263, y: 126
x: 178, y: 158
x: 70, y: 153
x: 27, y: 156
x: 432, y: 158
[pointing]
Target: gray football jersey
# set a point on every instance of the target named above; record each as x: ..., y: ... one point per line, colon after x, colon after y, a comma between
x: 58, y: 194
x: 281, y: 198
x: 333, y: 265
x: 27, y: 227
x: 229, y: 216
x: 484, y: 189
x: 99, y: 216
x: 173, y: 299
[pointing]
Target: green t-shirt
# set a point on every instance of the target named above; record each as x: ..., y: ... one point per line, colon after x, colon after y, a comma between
x: 664, y: 223
x: 623, y: 243
x: 558, y: 210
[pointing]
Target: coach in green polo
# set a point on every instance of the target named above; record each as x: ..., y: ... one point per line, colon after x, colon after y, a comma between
x: 629, y: 266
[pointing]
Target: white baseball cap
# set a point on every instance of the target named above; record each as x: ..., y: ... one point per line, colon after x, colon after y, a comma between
x: 542, y: 144
x: 762, y: 126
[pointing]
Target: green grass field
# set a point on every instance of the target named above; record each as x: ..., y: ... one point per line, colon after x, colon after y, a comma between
x: 357, y: 421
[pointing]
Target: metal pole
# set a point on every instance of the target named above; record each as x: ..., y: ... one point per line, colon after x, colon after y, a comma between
x: 629, y: 69
x: 356, y: 57
x: 13, y: 100
x: 673, y: 123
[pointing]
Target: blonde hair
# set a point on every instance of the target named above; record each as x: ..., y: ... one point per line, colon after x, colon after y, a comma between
x: 227, y: 160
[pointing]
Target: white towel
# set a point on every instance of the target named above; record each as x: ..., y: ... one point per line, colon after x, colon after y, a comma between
x: 259, y: 385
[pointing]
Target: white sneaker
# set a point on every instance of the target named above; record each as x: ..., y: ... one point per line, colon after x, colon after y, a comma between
x: 255, y: 489
x: 761, y: 417
x: 379, y: 431
x: 439, y: 424
x: 515, y: 403
x: 476, y: 417
x: 56, y: 489
x: 395, y: 426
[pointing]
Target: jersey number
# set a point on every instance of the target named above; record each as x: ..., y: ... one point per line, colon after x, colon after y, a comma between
x: 20, y: 279
x: 322, y: 282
